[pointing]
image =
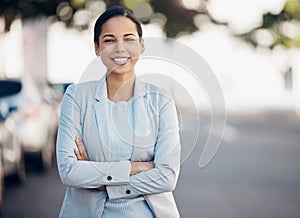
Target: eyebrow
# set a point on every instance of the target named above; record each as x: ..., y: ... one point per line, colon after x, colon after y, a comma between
x: 129, y: 34
x: 112, y: 35
x: 108, y: 35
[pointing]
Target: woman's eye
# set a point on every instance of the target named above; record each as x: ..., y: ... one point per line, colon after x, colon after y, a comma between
x: 108, y: 40
x: 130, y: 40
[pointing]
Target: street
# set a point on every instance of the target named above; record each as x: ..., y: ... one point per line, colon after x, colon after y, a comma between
x: 255, y: 173
x: 40, y: 196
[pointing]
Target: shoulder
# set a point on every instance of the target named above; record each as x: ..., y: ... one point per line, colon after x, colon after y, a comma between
x: 149, y: 88
x: 157, y: 94
x: 79, y: 90
x: 82, y: 87
x: 154, y: 88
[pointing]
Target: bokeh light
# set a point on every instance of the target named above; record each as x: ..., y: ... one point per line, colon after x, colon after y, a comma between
x: 290, y: 29
x: 159, y: 19
x: 143, y: 11
x: 193, y: 4
x: 64, y: 11
x: 82, y: 17
x: 131, y: 4
x: 95, y: 7
x: 264, y: 37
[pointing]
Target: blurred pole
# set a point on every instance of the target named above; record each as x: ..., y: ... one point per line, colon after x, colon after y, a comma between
x: 35, y: 49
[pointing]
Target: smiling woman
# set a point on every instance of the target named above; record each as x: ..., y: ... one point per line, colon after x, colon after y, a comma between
x: 118, y: 147
x: 120, y: 45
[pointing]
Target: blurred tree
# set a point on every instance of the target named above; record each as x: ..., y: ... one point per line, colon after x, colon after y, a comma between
x: 173, y: 16
x: 12, y: 9
x: 283, y: 28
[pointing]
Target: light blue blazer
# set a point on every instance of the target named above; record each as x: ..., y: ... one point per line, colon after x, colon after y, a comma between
x: 84, y: 113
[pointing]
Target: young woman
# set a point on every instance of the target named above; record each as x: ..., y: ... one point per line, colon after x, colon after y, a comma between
x: 118, y: 147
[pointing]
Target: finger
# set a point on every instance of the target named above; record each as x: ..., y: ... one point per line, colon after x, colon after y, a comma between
x: 79, y: 145
x: 81, y: 148
x: 77, y: 154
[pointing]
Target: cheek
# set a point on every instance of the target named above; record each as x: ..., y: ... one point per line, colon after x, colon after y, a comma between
x: 105, y: 53
x: 134, y: 50
x: 106, y: 50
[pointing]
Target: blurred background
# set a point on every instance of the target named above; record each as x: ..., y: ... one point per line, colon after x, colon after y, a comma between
x: 252, y: 46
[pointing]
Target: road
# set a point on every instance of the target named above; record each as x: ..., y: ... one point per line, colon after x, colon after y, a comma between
x: 256, y: 173
x: 40, y: 196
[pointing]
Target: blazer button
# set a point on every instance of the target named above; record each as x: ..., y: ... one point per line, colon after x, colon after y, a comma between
x: 128, y: 192
x: 109, y: 178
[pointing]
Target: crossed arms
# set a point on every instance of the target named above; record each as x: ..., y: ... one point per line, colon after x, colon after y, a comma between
x: 123, y: 179
x: 136, y: 166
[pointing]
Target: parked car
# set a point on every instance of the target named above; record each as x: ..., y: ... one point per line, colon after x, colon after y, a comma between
x: 12, y: 149
x: 37, y: 127
x: 11, y: 156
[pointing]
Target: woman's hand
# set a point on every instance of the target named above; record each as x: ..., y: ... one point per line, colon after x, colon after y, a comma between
x: 80, y: 151
x: 137, y: 167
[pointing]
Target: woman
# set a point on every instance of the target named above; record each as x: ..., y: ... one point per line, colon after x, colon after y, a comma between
x: 118, y: 148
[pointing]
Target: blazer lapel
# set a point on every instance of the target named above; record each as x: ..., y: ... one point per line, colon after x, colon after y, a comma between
x: 143, y: 133
x: 101, y: 116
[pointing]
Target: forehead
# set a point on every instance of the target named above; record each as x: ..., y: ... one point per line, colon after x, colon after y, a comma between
x: 119, y: 25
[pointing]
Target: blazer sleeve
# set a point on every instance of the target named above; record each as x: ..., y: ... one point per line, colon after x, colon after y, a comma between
x: 163, y: 177
x: 82, y: 174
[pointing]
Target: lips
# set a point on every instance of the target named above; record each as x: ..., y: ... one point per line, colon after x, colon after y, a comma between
x: 120, y: 60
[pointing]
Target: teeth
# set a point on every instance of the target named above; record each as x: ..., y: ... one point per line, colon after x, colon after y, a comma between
x: 120, y: 60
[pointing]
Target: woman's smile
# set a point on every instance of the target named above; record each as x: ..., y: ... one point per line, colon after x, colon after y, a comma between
x: 121, y: 60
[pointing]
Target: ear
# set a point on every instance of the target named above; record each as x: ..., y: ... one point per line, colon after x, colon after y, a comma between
x: 142, y: 45
x: 97, y: 49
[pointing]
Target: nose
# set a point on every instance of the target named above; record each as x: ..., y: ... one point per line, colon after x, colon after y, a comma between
x: 120, y: 47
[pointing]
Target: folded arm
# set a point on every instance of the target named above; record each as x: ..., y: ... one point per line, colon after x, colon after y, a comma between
x: 123, y: 179
x: 83, y: 174
x: 136, y: 167
x: 148, y: 177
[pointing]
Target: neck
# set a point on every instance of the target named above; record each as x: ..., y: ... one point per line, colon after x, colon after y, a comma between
x: 120, y: 87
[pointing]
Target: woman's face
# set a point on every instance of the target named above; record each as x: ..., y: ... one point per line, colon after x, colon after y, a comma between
x: 119, y: 45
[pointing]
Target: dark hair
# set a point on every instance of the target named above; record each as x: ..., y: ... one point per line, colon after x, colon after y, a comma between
x: 114, y: 11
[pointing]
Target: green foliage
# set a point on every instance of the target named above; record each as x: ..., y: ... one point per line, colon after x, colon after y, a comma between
x: 283, y: 26
x: 178, y: 19
x: 292, y: 9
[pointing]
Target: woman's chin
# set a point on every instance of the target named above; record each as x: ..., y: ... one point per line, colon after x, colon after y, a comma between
x: 121, y: 70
